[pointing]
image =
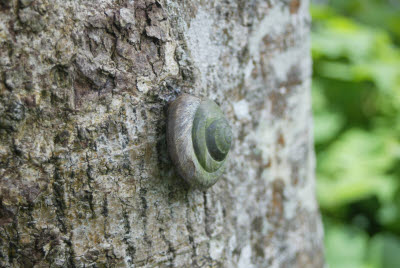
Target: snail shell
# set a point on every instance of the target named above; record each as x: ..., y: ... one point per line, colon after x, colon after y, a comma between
x: 199, y: 138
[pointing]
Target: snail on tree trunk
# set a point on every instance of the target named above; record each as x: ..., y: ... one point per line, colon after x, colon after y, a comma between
x: 199, y: 138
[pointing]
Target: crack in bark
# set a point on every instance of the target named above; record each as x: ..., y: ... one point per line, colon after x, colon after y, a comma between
x: 189, y: 227
x: 131, y: 250
x: 171, y: 253
x: 90, y: 179
x: 58, y: 193
x: 206, y: 226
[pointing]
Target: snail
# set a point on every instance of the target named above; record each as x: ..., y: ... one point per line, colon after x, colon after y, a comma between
x: 198, y: 138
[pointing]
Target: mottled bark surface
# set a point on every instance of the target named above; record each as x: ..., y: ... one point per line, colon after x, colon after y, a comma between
x: 85, y: 177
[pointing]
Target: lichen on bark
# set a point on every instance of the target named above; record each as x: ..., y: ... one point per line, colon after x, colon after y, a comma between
x: 85, y: 177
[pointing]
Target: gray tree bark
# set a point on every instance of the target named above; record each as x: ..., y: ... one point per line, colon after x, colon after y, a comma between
x: 85, y: 177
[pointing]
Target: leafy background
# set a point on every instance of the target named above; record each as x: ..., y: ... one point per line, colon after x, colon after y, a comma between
x: 356, y: 102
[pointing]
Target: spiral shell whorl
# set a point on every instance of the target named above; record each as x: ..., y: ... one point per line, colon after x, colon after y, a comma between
x: 199, y: 138
x: 211, y: 136
x: 219, y: 139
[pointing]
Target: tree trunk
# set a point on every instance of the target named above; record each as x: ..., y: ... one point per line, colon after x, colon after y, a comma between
x: 85, y: 175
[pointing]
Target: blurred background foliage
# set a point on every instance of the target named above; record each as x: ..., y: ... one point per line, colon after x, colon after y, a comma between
x: 356, y: 102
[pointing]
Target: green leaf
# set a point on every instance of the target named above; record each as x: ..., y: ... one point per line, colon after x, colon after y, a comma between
x: 354, y: 168
x: 345, y: 246
x: 384, y: 251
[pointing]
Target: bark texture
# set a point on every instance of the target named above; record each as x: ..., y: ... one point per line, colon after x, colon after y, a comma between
x: 85, y: 177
